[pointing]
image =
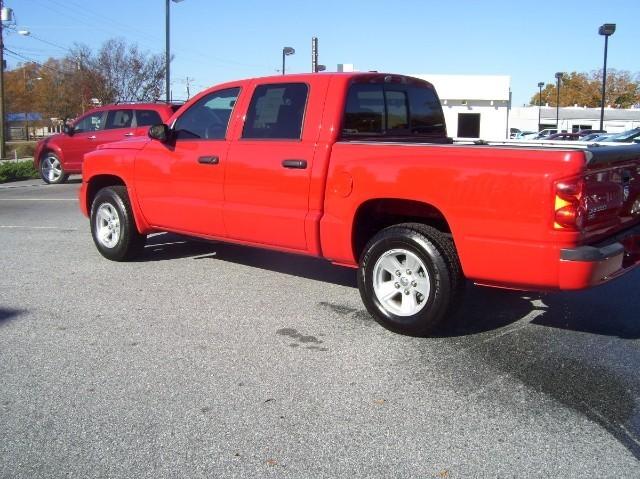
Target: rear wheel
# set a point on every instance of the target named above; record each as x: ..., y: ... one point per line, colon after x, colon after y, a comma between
x: 51, y: 170
x: 113, y: 227
x: 409, y: 278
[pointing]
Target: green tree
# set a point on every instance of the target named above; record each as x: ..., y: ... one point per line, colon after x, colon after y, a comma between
x: 585, y: 89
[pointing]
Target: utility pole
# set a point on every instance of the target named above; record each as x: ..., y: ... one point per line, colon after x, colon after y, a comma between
x: 314, y: 54
x: 167, y: 50
x: 188, y: 82
x: 2, y: 129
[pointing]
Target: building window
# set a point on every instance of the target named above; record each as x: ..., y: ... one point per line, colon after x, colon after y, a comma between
x: 469, y: 125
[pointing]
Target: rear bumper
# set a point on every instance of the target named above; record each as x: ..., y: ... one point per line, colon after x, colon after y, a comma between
x: 587, y: 266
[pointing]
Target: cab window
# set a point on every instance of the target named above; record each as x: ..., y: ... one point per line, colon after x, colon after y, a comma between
x: 276, y: 112
x: 398, y: 111
x: 119, y: 119
x: 147, y: 118
x: 92, y: 122
x: 208, y: 118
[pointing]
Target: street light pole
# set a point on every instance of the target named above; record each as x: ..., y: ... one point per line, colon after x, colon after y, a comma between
x: 286, y: 51
x: 540, y: 85
x: 606, y: 30
x: 167, y: 53
x: 2, y: 145
x: 558, y: 78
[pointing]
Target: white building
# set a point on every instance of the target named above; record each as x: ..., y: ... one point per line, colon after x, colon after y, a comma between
x: 574, y: 118
x: 478, y: 106
x: 475, y: 106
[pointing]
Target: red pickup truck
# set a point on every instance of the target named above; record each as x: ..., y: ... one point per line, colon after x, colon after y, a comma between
x: 357, y: 168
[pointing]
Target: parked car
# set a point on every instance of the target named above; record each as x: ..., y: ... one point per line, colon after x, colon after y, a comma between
x: 521, y: 135
x: 628, y: 136
x: 546, y: 132
x: 590, y: 137
x: 565, y: 136
x: 528, y: 136
x: 605, y: 137
x: 590, y: 131
x: 311, y: 164
x: 58, y: 156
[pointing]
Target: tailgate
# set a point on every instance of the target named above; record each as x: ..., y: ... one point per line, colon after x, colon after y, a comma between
x: 611, y: 190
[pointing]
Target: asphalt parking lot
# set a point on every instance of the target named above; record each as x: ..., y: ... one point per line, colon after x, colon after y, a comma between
x: 210, y: 360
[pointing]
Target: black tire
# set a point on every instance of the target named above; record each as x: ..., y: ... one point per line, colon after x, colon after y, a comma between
x: 437, y: 274
x: 113, y: 226
x: 51, y: 170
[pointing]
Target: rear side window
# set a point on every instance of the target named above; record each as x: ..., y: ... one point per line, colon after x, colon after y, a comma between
x: 119, y: 119
x: 392, y: 110
x: 147, y: 118
x: 276, y: 112
x: 426, y: 112
x: 364, y: 114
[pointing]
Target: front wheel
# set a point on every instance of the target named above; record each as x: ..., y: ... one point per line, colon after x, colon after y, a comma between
x: 51, y: 170
x: 409, y: 277
x: 112, y: 225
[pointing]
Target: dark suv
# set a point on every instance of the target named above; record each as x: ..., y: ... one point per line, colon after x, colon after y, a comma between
x: 60, y: 155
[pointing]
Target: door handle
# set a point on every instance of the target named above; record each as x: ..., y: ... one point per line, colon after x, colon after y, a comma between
x: 295, y: 164
x: 209, y: 160
x: 128, y: 134
x: 93, y: 137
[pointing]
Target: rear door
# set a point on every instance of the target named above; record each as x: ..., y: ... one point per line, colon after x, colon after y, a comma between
x: 268, y: 171
x: 144, y: 119
x: 119, y: 126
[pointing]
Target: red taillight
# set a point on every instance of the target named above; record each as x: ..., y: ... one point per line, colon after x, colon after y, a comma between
x: 568, y: 207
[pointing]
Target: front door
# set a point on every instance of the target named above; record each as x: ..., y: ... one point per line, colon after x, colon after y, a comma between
x: 87, y: 135
x: 179, y: 184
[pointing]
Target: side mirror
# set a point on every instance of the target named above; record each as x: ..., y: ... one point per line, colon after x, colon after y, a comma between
x: 160, y: 132
x: 68, y: 129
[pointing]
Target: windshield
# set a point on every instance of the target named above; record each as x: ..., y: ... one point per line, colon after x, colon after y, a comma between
x: 626, y: 135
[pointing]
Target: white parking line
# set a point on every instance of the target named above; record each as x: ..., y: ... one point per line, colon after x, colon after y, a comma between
x: 13, y: 187
x: 37, y: 227
x: 38, y: 199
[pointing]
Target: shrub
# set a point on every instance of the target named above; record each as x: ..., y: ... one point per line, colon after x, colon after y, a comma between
x: 21, y: 149
x: 14, y: 171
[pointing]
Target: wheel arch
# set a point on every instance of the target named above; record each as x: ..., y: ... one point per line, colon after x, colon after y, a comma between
x: 374, y: 215
x: 100, y: 181
x: 49, y: 148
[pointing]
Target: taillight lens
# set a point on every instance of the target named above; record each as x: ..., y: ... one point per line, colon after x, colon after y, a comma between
x: 568, y: 204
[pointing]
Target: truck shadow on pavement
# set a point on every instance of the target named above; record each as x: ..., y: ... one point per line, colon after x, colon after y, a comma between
x: 167, y: 246
x: 603, y: 311
x: 577, y: 348
x: 597, y: 311
x: 7, y: 315
x: 608, y: 310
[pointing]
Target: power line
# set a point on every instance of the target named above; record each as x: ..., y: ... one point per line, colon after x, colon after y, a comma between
x: 19, y: 56
x: 31, y: 35
x: 81, y: 11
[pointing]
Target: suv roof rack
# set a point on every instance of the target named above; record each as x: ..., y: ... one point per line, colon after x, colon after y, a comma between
x: 157, y: 100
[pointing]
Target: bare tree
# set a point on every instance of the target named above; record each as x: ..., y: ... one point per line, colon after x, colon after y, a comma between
x: 124, y: 73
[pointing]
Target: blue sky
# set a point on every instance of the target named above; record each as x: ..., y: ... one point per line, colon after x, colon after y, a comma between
x: 215, y: 41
